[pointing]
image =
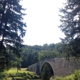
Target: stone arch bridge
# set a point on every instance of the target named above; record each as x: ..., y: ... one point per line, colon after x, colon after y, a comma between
x: 60, y: 66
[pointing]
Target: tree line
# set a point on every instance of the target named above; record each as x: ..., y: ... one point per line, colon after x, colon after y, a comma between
x: 36, y: 53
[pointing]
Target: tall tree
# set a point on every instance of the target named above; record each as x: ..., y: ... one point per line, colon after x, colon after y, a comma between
x: 11, y: 27
x: 70, y: 20
x: 70, y: 23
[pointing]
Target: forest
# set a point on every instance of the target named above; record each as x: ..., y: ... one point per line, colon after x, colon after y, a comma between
x: 33, y: 54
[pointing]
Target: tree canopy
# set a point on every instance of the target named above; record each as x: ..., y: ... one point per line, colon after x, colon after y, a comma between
x: 70, y: 24
x: 11, y: 27
x: 70, y: 20
x: 36, y: 53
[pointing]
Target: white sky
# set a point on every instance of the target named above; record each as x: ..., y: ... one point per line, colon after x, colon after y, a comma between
x: 42, y: 21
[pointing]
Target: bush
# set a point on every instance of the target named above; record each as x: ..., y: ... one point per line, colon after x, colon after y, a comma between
x: 19, y: 78
x: 21, y: 75
x: 3, y: 75
x: 77, y: 75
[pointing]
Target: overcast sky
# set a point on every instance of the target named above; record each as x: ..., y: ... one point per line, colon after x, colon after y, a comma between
x: 42, y: 21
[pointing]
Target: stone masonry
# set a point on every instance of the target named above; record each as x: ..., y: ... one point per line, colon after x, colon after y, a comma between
x: 60, y: 66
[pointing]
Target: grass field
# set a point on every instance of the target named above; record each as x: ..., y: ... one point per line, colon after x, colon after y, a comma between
x: 22, y: 74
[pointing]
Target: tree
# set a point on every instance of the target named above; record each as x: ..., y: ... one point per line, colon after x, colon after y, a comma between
x: 70, y: 23
x: 11, y: 27
x: 75, y: 45
x: 70, y: 20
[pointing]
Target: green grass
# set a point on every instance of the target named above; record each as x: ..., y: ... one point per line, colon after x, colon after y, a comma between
x: 14, y: 71
x: 22, y: 74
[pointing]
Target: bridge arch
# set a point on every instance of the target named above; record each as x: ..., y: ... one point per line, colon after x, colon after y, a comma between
x: 47, y: 69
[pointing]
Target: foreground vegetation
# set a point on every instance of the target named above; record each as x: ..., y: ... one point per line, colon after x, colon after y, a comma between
x: 74, y: 76
x: 22, y: 74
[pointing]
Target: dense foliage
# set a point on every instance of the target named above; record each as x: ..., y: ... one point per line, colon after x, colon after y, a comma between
x: 70, y: 25
x: 11, y: 30
x: 22, y: 74
x: 33, y: 54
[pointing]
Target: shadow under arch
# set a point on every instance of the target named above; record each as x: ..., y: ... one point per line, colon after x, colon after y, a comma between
x: 46, y: 71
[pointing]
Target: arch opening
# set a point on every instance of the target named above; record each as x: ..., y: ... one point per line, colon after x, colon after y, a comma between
x: 46, y: 71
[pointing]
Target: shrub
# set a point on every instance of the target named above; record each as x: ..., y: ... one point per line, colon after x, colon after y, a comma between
x: 19, y: 78
x: 77, y: 75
